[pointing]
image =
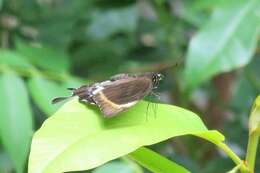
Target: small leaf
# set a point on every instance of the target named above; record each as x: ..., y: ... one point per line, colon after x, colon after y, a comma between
x: 13, y: 59
x: 16, y: 119
x: 113, y: 167
x: 227, y: 42
x: 155, y: 162
x: 77, y: 137
x: 43, y: 91
x: 44, y: 57
x: 254, y: 119
x: 106, y: 23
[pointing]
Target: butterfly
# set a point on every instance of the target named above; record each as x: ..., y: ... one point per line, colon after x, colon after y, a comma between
x: 117, y: 94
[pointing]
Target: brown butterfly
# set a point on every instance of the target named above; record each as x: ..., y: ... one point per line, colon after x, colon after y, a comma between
x: 118, y: 93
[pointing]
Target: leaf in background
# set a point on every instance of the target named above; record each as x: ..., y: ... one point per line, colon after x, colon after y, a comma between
x: 227, y: 42
x: 1, y: 4
x: 43, y: 91
x: 87, y: 59
x: 114, y: 166
x: 77, y: 137
x: 16, y: 119
x: 191, y: 13
x: 54, y: 23
x: 107, y: 23
x: 13, y: 59
x: 155, y: 162
x: 44, y: 57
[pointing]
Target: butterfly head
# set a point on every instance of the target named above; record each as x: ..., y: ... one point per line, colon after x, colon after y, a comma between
x: 156, y: 78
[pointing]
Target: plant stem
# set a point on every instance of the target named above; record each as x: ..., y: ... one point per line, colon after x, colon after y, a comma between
x: 252, y: 149
x: 235, y: 169
x: 233, y: 156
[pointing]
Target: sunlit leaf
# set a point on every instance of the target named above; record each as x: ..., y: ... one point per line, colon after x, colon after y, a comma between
x: 77, y: 137
x: 15, y: 119
x: 227, y: 42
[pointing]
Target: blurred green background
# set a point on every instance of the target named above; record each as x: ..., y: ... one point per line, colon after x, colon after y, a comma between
x: 207, y: 50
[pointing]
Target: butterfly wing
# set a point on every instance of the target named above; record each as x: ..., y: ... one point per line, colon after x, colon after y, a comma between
x: 119, y: 76
x: 122, y: 94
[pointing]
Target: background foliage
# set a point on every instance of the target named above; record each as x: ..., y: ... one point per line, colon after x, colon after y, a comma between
x: 208, y: 51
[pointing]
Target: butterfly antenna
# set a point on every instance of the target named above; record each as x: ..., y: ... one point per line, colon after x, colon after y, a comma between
x: 71, y: 89
x: 59, y: 99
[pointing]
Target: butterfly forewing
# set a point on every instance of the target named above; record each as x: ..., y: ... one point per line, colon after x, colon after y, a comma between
x: 122, y: 94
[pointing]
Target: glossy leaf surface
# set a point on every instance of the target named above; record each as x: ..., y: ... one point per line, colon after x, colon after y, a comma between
x: 77, y: 137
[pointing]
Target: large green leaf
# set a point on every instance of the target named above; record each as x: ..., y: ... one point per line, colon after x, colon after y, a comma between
x: 77, y: 137
x: 228, y: 41
x: 15, y: 119
x: 43, y: 91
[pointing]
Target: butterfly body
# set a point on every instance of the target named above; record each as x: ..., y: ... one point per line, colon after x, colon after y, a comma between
x: 119, y: 93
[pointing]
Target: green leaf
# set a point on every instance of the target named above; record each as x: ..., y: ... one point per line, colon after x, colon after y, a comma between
x: 44, y: 57
x: 114, y: 166
x: 77, y: 137
x: 254, y: 120
x: 13, y: 59
x: 106, y: 23
x: 192, y: 14
x: 16, y: 119
x: 227, y: 42
x: 43, y: 91
x: 155, y: 162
